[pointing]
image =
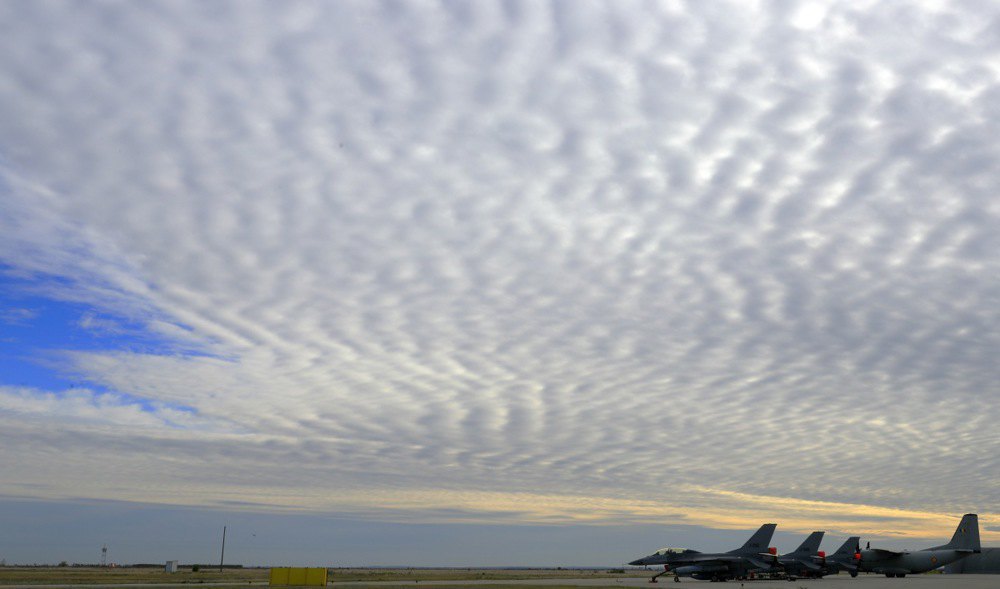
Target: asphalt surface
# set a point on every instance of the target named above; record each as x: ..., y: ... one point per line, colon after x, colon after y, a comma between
x: 834, y: 582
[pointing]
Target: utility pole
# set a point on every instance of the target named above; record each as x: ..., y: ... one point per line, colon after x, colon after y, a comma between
x: 222, y: 558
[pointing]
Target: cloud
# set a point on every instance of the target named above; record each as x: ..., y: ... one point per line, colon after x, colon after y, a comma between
x: 614, y: 254
x: 17, y: 315
x: 92, y: 322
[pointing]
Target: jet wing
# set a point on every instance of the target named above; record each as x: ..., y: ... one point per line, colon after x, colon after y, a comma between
x: 703, y: 558
x: 756, y: 562
x: 730, y: 560
x: 725, y: 559
x: 787, y: 562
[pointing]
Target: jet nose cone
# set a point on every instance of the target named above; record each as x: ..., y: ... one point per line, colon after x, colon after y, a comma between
x: 638, y: 563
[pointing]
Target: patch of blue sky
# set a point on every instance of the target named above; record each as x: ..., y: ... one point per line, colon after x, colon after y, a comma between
x: 146, y: 404
x: 36, y: 331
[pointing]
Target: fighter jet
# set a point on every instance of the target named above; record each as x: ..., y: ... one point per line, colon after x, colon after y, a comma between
x: 720, y: 566
x: 844, y: 559
x: 808, y: 561
x: 803, y: 561
x: 964, y: 542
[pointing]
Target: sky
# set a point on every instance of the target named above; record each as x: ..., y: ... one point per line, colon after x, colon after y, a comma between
x: 587, y: 277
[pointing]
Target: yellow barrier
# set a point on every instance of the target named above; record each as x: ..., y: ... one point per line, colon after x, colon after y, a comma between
x: 298, y: 576
x: 316, y: 576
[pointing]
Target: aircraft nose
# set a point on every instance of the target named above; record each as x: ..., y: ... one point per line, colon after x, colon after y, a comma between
x: 638, y: 563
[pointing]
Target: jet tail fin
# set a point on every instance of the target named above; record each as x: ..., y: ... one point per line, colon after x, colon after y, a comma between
x: 811, y: 544
x: 758, y: 542
x: 966, y: 536
x: 850, y: 546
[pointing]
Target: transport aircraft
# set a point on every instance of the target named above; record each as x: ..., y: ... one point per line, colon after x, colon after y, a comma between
x: 718, y: 566
x: 964, y: 542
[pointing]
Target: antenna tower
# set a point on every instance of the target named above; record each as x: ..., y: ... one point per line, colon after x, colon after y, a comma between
x: 104, y: 555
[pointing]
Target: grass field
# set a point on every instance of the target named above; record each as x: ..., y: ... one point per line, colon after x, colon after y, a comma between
x: 124, y: 575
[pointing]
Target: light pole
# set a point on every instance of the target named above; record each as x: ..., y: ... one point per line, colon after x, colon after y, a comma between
x: 222, y: 558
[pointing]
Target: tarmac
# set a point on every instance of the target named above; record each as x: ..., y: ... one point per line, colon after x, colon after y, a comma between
x: 833, y: 582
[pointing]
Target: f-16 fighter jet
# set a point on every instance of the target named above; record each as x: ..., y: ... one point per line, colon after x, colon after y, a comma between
x: 720, y: 566
x: 809, y: 561
x: 804, y: 561
x: 844, y: 559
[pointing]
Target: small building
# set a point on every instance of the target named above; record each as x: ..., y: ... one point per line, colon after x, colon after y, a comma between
x: 984, y: 563
x: 171, y: 567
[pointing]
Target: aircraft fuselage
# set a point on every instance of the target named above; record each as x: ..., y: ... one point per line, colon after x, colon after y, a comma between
x: 908, y: 562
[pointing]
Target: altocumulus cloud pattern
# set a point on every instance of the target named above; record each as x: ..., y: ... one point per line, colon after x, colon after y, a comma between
x: 538, y: 262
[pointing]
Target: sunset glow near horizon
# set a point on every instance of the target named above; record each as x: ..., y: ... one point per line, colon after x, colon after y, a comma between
x: 504, y: 264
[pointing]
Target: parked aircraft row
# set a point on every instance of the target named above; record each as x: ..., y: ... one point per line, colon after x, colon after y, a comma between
x: 755, y: 557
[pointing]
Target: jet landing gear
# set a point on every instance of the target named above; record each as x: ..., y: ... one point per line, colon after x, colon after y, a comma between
x: 666, y: 569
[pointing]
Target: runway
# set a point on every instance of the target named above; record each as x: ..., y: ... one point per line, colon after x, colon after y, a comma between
x: 832, y: 582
